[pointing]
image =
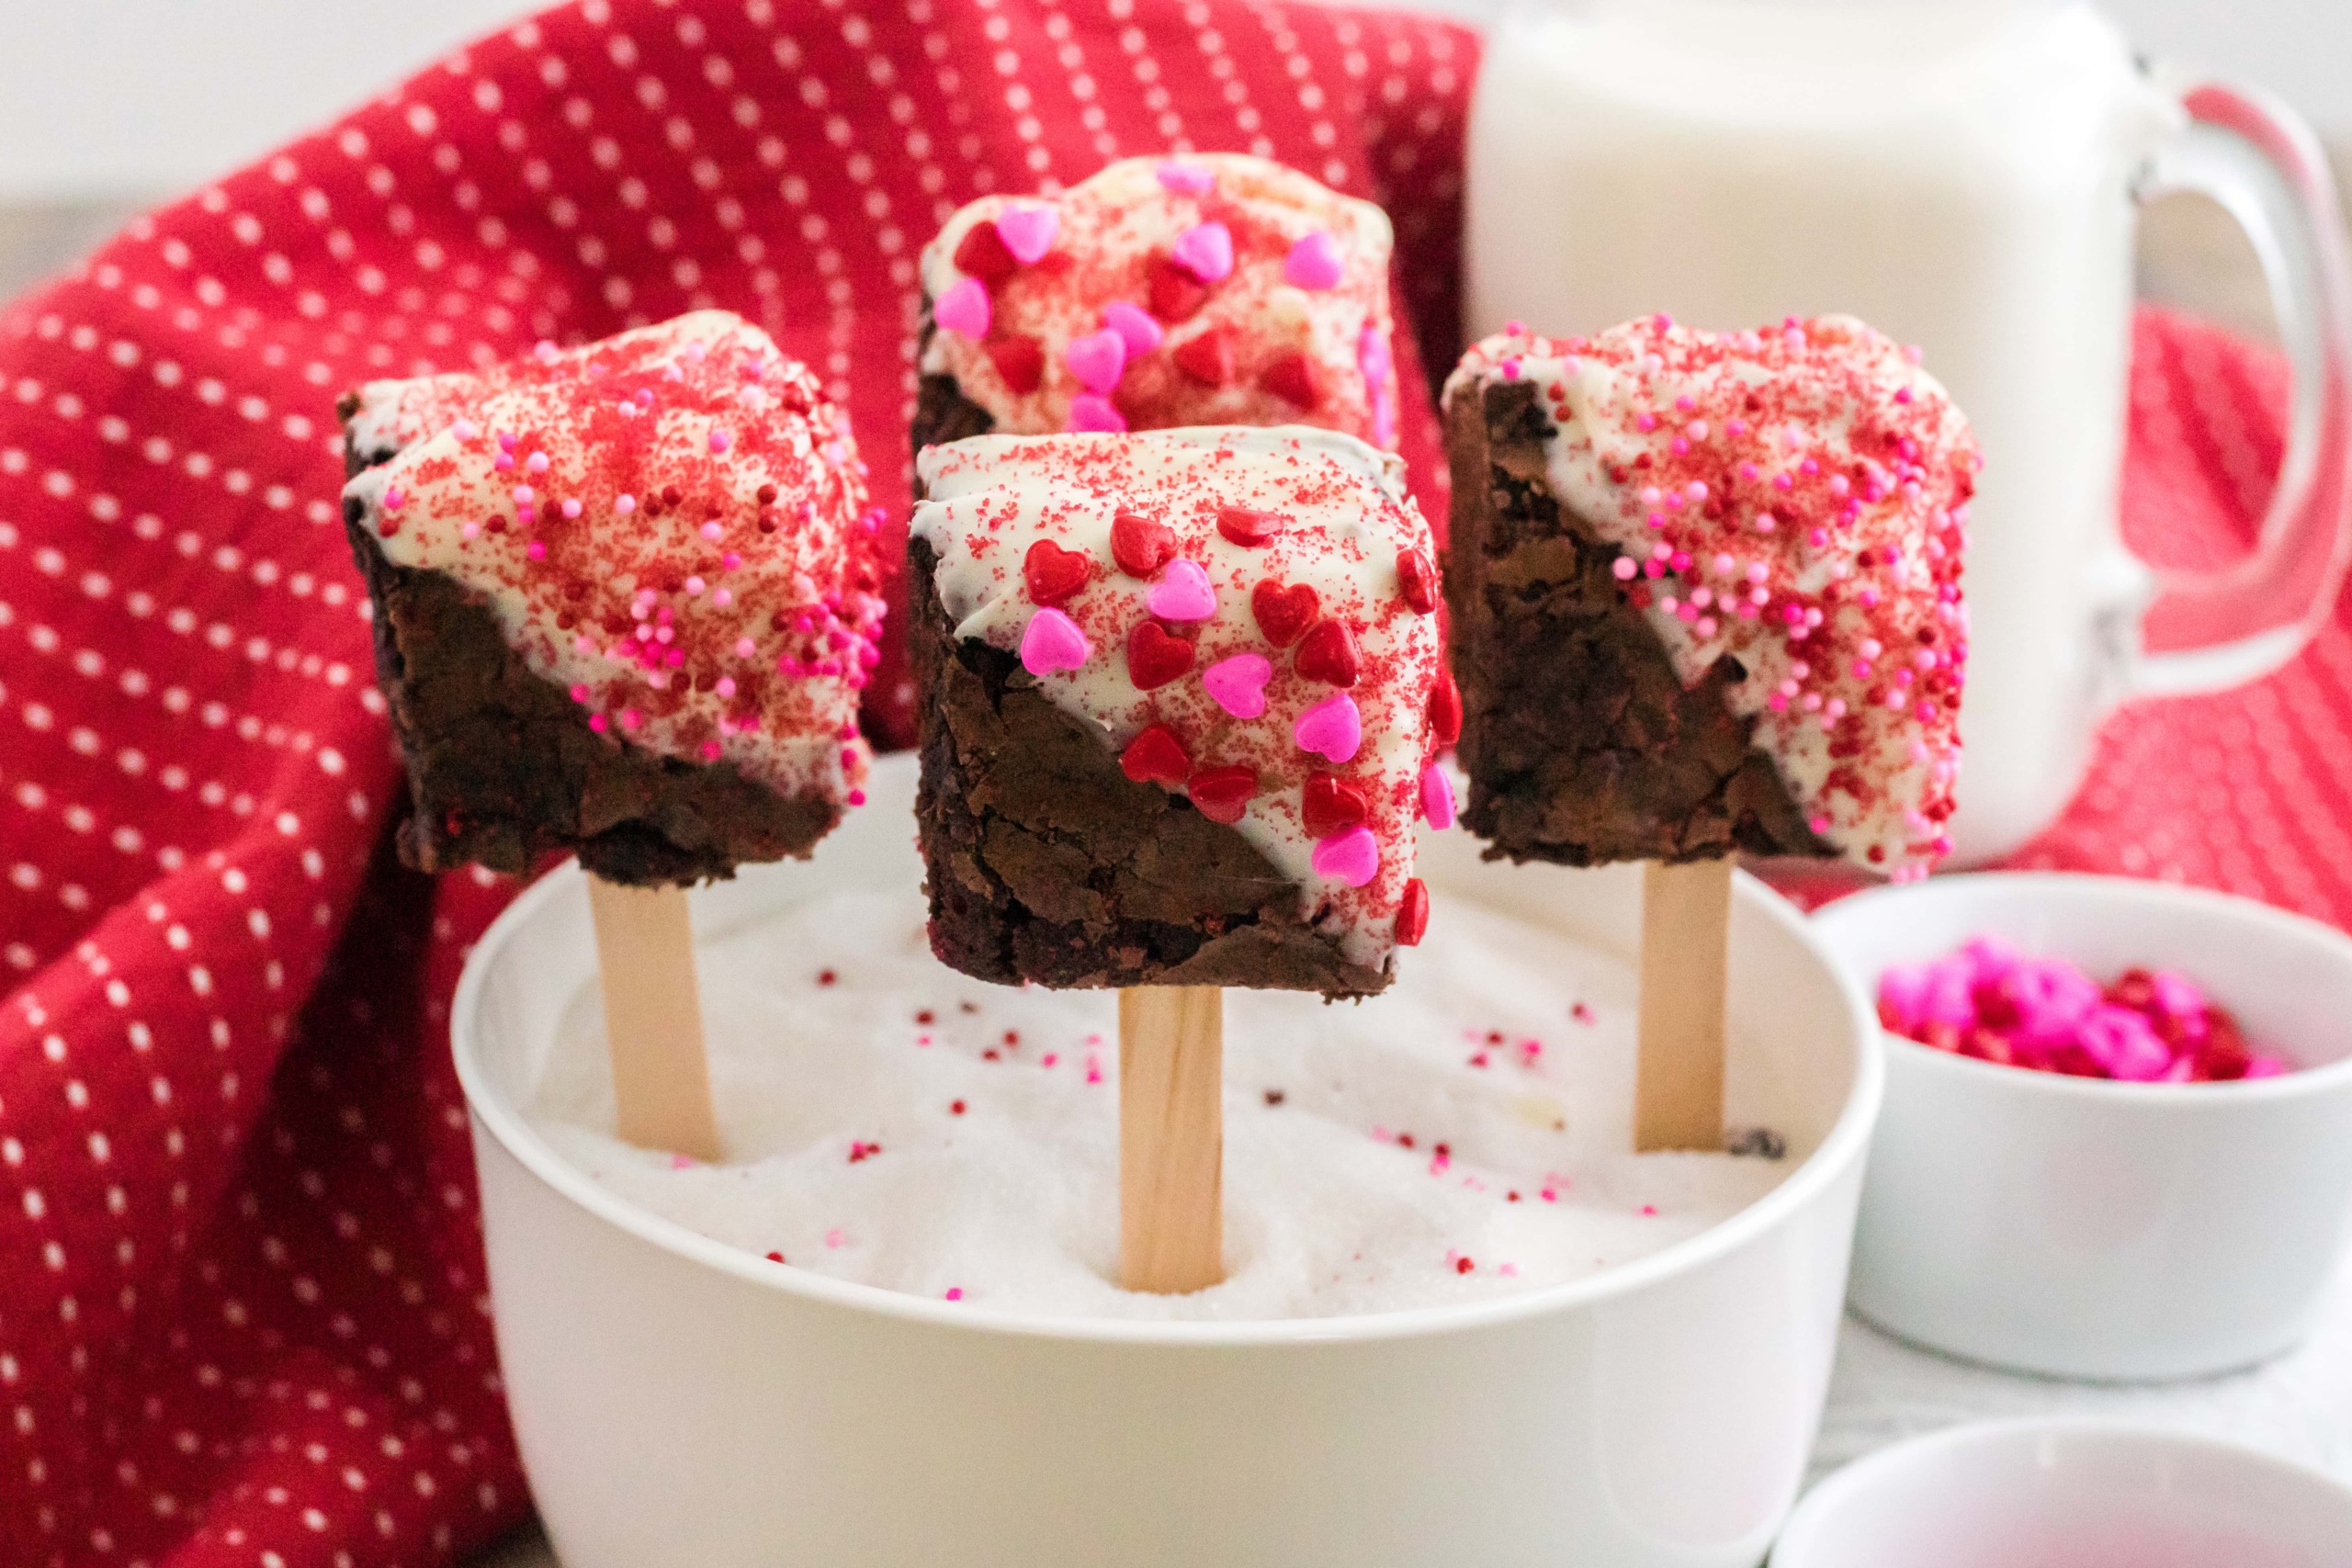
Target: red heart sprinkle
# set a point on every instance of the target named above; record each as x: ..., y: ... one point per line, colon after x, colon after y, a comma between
x: 982, y: 254
x: 1156, y: 757
x: 1155, y: 657
x: 1328, y: 654
x: 1445, y: 711
x: 1141, y: 545
x: 1284, y: 613
x: 1222, y: 795
x: 1291, y: 379
x: 1175, y: 293
x: 1416, y: 581
x: 1053, y: 573
x: 1020, y: 361
x: 1247, y: 525
x: 1330, y: 806
x: 1413, y: 914
x: 1207, y: 358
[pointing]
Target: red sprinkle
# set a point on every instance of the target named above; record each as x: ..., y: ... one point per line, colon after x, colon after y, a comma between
x: 1445, y: 711
x: 1021, y: 361
x: 1222, y: 794
x: 1156, y: 656
x: 1247, y: 525
x: 983, y: 254
x: 1284, y: 614
x: 1416, y: 581
x: 1328, y: 654
x: 1156, y: 757
x: 1207, y: 358
x: 1175, y: 293
x: 1413, y: 914
x: 1291, y: 379
x: 1330, y: 806
x: 1054, y: 574
x: 1141, y: 544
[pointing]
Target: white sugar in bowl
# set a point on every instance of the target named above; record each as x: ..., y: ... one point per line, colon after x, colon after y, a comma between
x: 679, y: 1402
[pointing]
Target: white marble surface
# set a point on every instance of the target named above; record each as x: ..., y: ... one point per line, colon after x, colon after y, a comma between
x: 2299, y: 1406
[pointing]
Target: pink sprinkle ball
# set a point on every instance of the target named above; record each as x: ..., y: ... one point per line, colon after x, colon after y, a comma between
x: 1052, y: 642
x: 1333, y: 728
x: 1185, y: 179
x: 1091, y: 414
x: 963, y: 307
x: 1028, y: 231
x: 1991, y: 1002
x: 1437, y: 797
x: 1137, y: 328
x: 1206, y: 250
x: 1352, y: 857
x: 1314, y: 262
x: 1098, y: 359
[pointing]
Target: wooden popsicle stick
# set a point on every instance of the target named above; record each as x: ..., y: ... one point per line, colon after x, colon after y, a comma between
x: 1171, y: 1138
x: 1678, y: 1073
x: 644, y: 954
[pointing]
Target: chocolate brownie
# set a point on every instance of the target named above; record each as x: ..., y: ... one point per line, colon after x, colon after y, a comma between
x: 504, y: 768
x: 1581, y: 743
x: 1046, y: 864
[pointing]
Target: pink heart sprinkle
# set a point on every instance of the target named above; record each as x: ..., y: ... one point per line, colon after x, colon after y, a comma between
x: 1314, y: 262
x: 964, y: 307
x: 1239, y: 683
x: 1088, y: 412
x: 1437, y: 797
x: 1190, y: 179
x: 1052, y: 642
x: 1136, y: 327
x: 1098, y: 359
x: 1372, y: 356
x: 1028, y: 232
x: 1183, y: 593
x: 1331, y: 729
x: 1205, y: 249
x: 1351, y: 856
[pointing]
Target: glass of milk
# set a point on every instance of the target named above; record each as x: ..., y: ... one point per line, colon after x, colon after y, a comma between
x: 1964, y: 174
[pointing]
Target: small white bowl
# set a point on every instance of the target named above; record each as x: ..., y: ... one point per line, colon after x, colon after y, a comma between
x: 2063, y: 1494
x: 2084, y: 1228
x: 679, y: 1402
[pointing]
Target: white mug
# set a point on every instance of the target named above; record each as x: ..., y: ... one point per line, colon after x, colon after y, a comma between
x: 1964, y: 176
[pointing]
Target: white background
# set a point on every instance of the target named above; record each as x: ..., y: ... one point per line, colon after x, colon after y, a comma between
x: 114, y: 98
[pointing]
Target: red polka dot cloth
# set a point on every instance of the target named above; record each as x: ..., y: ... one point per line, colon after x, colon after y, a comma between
x: 243, y: 1318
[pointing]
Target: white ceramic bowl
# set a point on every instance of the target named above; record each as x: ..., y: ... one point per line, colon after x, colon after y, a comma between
x: 2061, y: 1494
x: 678, y: 1402
x: 2084, y: 1228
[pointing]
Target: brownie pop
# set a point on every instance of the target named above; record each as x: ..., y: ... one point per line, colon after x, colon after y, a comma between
x: 1214, y: 288
x: 625, y: 601
x: 1705, y: 592
x: 1184, y: 692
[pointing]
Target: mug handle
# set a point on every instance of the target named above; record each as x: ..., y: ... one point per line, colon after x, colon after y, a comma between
x: 2260, y: 162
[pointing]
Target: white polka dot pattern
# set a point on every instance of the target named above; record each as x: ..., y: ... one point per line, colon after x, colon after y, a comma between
x: 243, y: 1320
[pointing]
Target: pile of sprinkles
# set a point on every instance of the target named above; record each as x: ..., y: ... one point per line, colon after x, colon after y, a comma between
x: 1794, y: 498
x: 1248, y: 616
x: 1215, y: 288
x: 672, y: 525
